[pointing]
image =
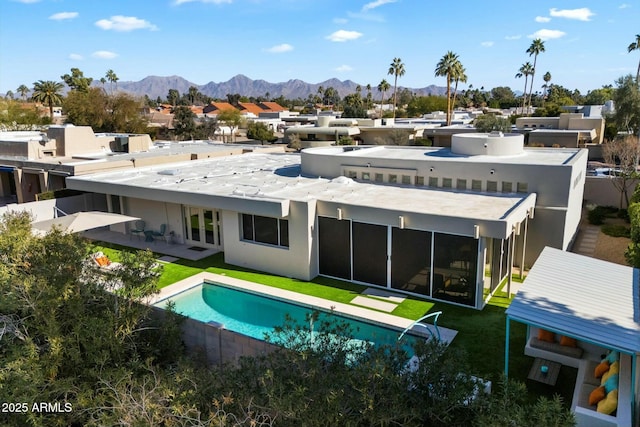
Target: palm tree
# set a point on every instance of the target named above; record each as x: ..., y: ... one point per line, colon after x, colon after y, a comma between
x: 383, y: 87
x: 546, y: 85
x: 111, y: 76
x: 23, y: 90
x: 447, y: 67
x: 459, y: 75
x: 537, y: 47
x: 526, y: 70
x: 368, y: 96
x: 47, y: 92
x: 397, y: 70
x: 103, y: 81
x: 636, y: 46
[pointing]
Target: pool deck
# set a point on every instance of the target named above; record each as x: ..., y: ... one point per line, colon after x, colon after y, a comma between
x: 385, y: 319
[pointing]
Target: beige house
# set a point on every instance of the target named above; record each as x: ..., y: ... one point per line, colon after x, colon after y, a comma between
x: 568, y: 130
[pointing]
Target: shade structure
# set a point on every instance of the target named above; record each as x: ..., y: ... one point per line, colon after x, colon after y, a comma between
x: 80, y: 221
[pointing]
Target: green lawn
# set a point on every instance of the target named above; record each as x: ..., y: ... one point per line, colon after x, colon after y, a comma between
x: 481, y: 333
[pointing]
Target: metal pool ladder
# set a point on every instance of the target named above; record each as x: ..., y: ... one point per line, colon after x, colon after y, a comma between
x: 424, y: 325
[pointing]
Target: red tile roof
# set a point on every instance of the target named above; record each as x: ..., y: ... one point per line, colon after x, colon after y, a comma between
x: 250, y: 107
x: 272, y: 106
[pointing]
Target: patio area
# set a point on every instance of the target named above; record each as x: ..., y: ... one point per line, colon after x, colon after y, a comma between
x: 192, y: 253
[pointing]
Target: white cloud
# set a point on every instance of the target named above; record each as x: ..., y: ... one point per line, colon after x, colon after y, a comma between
x: 61, y: 16
x: 343, y: 36
x: 125, y: 23
x: 76, y: 57
x: 486, y: 44
x: 104, y: 54
x: 376, y: 3
x: 542, y: 19
x: 340, y: 20
x: 516, y: 37
x: 179, y: 2
x: 280, y: 48
x: 545, y: 34
x: 624, y: 6
x: 28, y: 1
x: 582, y: 14
x: 343, y: 68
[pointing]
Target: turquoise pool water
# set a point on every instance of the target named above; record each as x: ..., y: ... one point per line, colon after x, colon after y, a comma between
x: 256, y: 315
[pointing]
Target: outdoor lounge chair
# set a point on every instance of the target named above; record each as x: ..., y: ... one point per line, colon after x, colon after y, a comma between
x: 103, y: 262
x: 138, y: 229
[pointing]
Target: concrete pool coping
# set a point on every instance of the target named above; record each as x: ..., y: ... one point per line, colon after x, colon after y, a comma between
x: 384, y: 319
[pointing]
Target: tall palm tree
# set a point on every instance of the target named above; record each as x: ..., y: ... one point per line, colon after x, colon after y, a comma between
x: 636, y: 46
x: 383, y: 87
x: 368, y: 95
x: 396, y: 69
x: 113, y: 78
x: 23, y: 90
x: 545, y: 86
x: 447, y: 67
x: 526, y: 70
x: 537, y: 47
x: 459, y: 75
x: 321, y: 94
x: 47, y: 92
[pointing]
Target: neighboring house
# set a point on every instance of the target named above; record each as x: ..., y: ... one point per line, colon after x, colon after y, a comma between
x: 249, y: 108
x: 446, y: 224
x: 569, y: 130
x: 215, y: 108
x: 35, y: 162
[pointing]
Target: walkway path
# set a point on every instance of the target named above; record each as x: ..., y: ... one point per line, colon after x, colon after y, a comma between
x: 586, y: 241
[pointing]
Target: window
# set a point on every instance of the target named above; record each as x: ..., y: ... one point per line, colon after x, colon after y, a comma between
x: 366, y: 176
x: 419, y: 181
x: 476, y: 185
x: 507, y: 187
x: 522, y: 187
x: 492, y: 186
x: 379, y: 177
x: 393, y: 178
x: 262, y: 229
x: 115, y: 204
x: 352, y: 174
x: 446, y: 182
x: 433, y: 181
x: 461, y: 184
x: 406, y: 179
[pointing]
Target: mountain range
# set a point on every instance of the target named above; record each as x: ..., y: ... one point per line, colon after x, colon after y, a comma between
x: 155, y: 86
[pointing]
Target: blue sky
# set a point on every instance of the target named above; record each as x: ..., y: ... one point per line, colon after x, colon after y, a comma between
x: 314, y: 40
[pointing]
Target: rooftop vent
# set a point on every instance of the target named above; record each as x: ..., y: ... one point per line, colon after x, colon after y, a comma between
x: 171, y: 172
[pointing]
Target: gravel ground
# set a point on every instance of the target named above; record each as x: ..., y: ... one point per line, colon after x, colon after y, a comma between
x: 611, y: 248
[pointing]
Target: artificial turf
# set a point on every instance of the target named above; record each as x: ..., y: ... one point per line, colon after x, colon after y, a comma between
x: 481, y: 333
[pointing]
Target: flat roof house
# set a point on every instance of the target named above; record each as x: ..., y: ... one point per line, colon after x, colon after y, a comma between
x: 440, y: 223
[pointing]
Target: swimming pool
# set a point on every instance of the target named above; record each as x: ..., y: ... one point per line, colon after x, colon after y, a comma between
x: 257, y: 315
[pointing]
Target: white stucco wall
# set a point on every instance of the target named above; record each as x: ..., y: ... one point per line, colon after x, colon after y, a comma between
x: 298, y: 260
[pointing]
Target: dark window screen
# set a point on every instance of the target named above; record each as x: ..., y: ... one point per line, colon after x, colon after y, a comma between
x: 247, y: 227
x: 410, y: 260
x: 284, y: 232
x: 266, y: 229
x: 334, y: 247
x: 370, y: 253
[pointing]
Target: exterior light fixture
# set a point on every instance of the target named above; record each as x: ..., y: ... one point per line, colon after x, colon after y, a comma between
x: 476, y: 232
x: 339, y: 214
x: 431, y: 169
x: 401, y: 222
x: 492, y: 171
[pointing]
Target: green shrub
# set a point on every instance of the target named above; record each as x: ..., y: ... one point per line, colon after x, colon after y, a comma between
x: 596, y: 216
x: 616, y: 230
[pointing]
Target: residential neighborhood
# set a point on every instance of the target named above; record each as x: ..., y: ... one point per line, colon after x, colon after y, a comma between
x: 434, y: 249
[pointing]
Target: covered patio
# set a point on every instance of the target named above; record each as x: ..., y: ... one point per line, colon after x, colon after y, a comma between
x: 595, y: 303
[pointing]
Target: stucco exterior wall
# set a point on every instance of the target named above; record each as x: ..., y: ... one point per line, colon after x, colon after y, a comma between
x: 602, y: 191
x: 298, y: 260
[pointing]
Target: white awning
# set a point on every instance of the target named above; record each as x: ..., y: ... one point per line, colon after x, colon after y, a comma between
x: 80, y: 221
x: 582, y: 297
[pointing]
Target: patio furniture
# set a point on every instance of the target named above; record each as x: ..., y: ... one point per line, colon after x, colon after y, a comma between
x: 544, y: 371
x: 162, y: 234
x: 138, y: 229
x: 103, y: 262
x: 148, y: 235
